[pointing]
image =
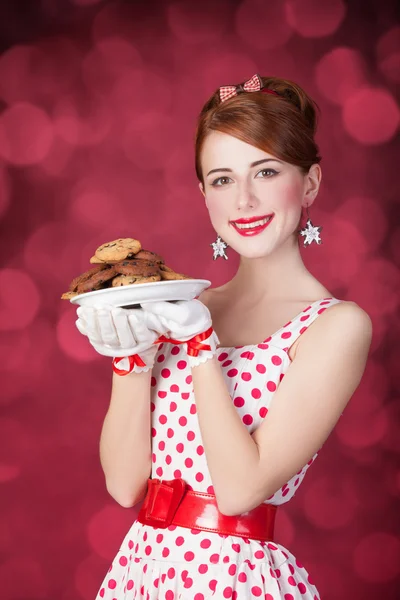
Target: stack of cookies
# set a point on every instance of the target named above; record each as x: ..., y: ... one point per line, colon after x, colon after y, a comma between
x: 121, y: 262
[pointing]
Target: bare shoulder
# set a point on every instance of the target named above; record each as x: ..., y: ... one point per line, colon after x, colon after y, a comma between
x: 345, y: 322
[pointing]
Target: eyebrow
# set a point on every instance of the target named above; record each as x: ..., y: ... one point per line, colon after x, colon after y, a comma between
x: 253, y: 164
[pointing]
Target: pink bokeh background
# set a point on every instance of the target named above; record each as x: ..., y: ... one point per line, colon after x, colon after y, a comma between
x: 98, y: 102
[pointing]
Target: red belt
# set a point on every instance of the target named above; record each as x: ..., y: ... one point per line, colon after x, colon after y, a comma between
x: 170, y: 502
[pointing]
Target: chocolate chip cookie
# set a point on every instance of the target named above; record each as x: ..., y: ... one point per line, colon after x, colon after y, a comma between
x: 118, y: 249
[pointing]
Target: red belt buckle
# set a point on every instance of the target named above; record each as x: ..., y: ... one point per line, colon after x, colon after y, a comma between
x: 161, y: 502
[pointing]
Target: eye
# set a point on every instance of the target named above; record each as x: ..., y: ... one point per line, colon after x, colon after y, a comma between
x: 216, y: 184
x: 267, y: 171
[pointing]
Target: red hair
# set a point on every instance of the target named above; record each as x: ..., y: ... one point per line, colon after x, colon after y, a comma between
x: 282, y: 125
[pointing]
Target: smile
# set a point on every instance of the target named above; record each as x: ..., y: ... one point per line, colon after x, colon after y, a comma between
x: 254, y: 227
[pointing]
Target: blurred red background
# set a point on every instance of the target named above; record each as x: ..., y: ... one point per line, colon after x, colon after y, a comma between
x: 98, y: 102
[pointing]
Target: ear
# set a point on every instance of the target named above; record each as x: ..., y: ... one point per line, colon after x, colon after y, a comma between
x: 201, y: 187
x: 312, y: 182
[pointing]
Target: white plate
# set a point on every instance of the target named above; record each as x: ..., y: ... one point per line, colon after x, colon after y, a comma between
x: 127, y: 295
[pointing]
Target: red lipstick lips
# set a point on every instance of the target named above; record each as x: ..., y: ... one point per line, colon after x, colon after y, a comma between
x: 249, y: 231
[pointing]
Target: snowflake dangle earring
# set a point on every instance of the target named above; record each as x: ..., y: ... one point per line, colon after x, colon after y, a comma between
x: 219, y: 248
x: 310, y: 232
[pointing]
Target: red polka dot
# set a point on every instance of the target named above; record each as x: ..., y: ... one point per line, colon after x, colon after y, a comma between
x: 173, y: 406
x: 246, y: 376
x: 261, y: 368
x: 271, y: 386
x: 232, y: 570
x: 214, y: 559
x: 291, y: 580
x: 247, y: 419
x: 174, y: 388
x: 276, y: 360
x: 286, y: 335
x: 179, y: 540
x: 165, y: 373
x: 263, y: 412
x: 182, y: 421
x: 123, y: 561
x: 188, y: 556
x: 212, y: 585
x: 163, y: 419
x: 129, y: 584
x: 191, y: 435
x: 238, y: 401
x: 227, y: 363
x: 256, y: 393
x: 181, y: 364
x: 200, y: 450
x: 188, y: 462
x: 112, y: 584
x: 223, y: 356
x: 203, y: 569
x: 227, y: 593
x: 170, y: 432
x: 247, y: 354
x: 256, y: 591
x: 242, y: 577
x: 232, y: 372
x: 302, y: 588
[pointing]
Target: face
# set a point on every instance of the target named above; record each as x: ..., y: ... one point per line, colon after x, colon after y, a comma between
x: 244, y: 182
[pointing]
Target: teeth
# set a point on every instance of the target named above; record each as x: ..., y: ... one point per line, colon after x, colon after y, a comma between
x: 252, y: 225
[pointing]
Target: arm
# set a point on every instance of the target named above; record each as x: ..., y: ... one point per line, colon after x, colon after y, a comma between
x: 125, y: 441
x: 246, y: 469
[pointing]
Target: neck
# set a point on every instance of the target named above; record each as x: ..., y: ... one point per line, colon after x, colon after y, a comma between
x: 281, y: 275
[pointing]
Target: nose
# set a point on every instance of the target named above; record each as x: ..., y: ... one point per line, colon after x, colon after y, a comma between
x: 245, y: 197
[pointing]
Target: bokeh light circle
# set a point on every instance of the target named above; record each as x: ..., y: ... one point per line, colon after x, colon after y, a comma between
x: 72, y: 343
x: 314, y: 19
x: 340, y: 73
x: 371, y: 116
x: 106, y: 527
x: 362, y: 430
x: 19, y: 299
x: 262, y: 25
x: 388, y: 54
x: 26, y: 134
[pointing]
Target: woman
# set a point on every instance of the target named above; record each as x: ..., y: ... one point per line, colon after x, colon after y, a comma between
x: 272, y: 342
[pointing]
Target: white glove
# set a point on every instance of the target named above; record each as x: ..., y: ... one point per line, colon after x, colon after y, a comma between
x: 122, y: 333
x: 187, y: 321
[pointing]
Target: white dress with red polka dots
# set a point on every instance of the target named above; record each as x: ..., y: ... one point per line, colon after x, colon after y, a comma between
x: 178, y: 563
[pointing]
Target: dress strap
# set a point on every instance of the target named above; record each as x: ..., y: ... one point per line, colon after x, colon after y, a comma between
x: 286, y: 336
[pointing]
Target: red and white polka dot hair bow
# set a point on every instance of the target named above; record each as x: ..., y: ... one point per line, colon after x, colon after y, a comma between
x: 252, y: 85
